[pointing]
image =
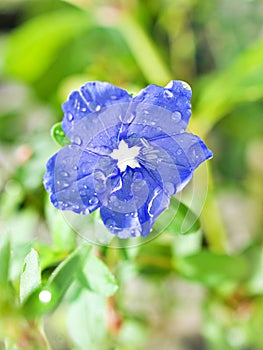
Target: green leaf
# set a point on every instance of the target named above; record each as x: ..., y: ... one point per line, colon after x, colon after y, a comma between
x: 34, y: 45
x: 48, y: 297
x: 4, y: 259
x: 178, y: 219
x: 254, y: 256
x: 59, y: 136
x: 97, y: 277
x: 211, y: 269
x: 241, y: 81
x: 86, y: 321
x: 30, y: 278
x: 62, y: 234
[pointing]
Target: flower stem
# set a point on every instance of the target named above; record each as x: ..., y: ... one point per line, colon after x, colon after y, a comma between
x: 211, y: 219
x: 143, y: 49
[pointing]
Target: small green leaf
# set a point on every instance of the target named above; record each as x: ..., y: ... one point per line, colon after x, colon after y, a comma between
x: 47, y: 298
x: 30, y: 278
x: 4, y: 259
x: 178, y: 219
x: 97, y: 277
x: 58, y: 135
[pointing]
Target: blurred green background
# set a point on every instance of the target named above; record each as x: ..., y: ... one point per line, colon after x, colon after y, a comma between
x: 184, y: 292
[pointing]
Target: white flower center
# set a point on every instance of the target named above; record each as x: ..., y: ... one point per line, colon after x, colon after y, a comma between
x: 126, y: 156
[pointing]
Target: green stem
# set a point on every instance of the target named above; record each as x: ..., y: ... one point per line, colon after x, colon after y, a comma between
x: 143, y: 49
x: 211, y: 219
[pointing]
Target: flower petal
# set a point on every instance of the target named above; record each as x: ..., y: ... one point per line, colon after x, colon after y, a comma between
x: 91, y: 98
x: 172, y: 160
x: 76, y: 180
x: 132, y: 210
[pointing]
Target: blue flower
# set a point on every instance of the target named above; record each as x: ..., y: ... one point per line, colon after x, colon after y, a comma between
x: 127, y: 155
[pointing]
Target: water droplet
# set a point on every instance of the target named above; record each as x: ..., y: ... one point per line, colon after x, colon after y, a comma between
x: 168, y: 93
x: 176, y: 116
x: 75, y: 207
x: 186, y: 85
x: 99, y: 175
x: 93, y: 200
x: 134, y: 214
x: 77, y: 140
x: 129, y: 118
x: 179, y: 151
x: 169, y: 187
x: 93, y: 106
x: 146, y: 112
x: 110, y: 223
x: 137, y: 176
x: 70, y: 116
x: 64, y: 173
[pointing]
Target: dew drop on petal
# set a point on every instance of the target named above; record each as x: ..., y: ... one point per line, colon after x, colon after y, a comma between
x: 168, y: 93
x: 110, y: 223
x: 70, y: 116
x: 176, y: 116
x: 179, y: 151
x: 77, y: 140
x: 137, y: 176
x: 169, y: 187
x: 93, y: 200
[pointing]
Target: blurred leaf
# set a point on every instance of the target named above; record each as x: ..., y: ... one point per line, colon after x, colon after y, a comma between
x: 241, y: 81
x: 254, y: 256
x: 215, y: 332
x: 254, y: 326
x: 97, y: 277
x: 187, y: 244
x: 33, y: 46
x: 86, y: 321
x: 57, y: 285
x: 177, y: 219
x: 211, y: 269
x: 59, y: 136
x: 154, y: 259
x: 4, y: 259
x: 30, y: 278
x: 62, y: 234
x: 133, y: 334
